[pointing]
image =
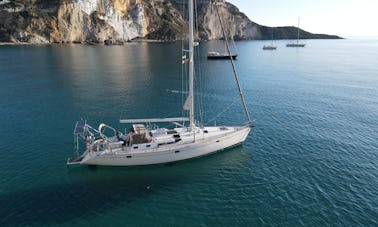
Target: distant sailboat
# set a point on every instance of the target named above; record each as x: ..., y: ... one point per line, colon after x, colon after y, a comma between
x: 297, y: 44
x: 271, y: 46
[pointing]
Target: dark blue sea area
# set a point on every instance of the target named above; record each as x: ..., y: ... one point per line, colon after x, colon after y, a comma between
x: 311, y: 159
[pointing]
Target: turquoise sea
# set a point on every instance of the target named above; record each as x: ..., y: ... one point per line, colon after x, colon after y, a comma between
x: 312, y: 158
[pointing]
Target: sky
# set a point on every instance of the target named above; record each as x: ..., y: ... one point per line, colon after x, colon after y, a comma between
x: 346, y: 18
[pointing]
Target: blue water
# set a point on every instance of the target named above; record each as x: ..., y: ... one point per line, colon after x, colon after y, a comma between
x: 312, y: 158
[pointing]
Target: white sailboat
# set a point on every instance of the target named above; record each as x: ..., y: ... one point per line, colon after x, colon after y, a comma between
x: 297, y: 44
x: 271, y: 46
x: 145, y: 146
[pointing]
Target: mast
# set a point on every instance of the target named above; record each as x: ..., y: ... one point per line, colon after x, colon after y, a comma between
x: 272, y: 36
x: 191, y: 66
x: 298, y: 32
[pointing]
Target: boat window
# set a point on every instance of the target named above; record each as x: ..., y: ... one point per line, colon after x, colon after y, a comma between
x: 136, y: 147
x: 129, y: 156
x: 177, y: 152
x: 171, y: 132
x: 205, y: 131
x: 148, y: 145
x: 222, y: 128
x: 217, y: 141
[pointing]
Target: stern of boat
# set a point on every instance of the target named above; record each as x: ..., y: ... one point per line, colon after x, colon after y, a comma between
x: 74, y: 160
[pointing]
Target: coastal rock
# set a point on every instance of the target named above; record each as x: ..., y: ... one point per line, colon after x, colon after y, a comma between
x: 94, y: 21
x: 237, y: 24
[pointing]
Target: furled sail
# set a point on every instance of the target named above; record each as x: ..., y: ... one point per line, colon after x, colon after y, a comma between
x: 186, y: 105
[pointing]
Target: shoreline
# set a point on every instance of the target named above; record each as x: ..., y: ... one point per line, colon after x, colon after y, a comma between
x: 85, y: 43
x: 137, y: 40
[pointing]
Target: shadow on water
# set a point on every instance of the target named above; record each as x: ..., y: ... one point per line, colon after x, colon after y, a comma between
x: 91, y: 190
x: 102, y: 190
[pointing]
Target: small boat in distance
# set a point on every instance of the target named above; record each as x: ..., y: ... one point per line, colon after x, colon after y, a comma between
x: 271, y: 46
x: 217, y: 55
x: 297, y: 44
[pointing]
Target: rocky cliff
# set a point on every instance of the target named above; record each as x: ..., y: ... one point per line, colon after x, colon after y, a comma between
x: 93, y: 21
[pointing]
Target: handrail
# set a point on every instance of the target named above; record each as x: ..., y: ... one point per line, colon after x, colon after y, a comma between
x: 154, y: 120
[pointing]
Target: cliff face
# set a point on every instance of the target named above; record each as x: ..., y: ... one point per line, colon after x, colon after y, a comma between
x: 82, y: 21
x: 92, y: 21
x: 72, y: 21
x: 236, y: 24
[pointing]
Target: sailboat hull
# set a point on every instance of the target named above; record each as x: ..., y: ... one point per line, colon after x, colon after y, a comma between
x: 172, y: 152
x: 269, y: 47
x: 295, y: 45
